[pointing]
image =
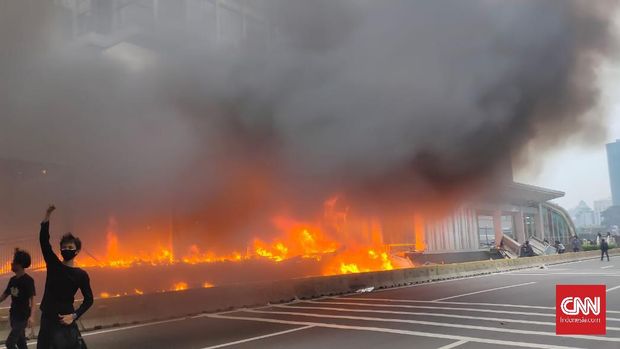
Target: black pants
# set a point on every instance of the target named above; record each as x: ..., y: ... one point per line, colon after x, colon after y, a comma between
x: 53, y: 335
x: 46, y: 330
x: 17, y: 336
x: 604, y: 253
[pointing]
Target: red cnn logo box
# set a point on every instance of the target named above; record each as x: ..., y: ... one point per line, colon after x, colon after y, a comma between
x: 580, y: 309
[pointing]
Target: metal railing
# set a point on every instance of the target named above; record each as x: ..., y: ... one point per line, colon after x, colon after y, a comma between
x: 7, y: 249
x: 511, y: 248
x: 540, y: 247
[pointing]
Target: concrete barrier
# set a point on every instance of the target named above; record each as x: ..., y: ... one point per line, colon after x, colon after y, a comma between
x: 159, y: 306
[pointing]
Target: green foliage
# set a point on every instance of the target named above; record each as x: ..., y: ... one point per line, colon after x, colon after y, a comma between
x: 595, y: 247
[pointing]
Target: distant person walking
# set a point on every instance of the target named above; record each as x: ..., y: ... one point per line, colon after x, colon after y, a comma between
x: 575, y: 244
x: 58, y: 327
x: 21, y: 290
x: 604, y: 249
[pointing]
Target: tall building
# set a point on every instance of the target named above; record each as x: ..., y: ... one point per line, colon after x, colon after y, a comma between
x: 583, y: 215
x: 613, y: 162
x: 599, y: 207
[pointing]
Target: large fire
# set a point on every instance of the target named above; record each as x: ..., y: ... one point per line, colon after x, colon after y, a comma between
x: 339, y: 243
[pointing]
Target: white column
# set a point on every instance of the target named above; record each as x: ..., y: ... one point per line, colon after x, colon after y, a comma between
x: 474, y: 230
x: 520, y: 227
x: 540, y: 222
x: 497, y: 227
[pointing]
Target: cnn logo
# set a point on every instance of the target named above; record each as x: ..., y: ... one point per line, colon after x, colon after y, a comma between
x: 585, y: 306
x: 580, y: 309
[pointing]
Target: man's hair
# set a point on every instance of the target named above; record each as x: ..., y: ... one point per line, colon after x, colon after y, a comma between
x: 22, y: 258
x: 69, y: 238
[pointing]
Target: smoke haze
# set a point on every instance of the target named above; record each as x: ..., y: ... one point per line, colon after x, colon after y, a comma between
x: 388, y: 103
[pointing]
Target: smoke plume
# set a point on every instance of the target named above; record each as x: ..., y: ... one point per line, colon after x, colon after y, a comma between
x: 393, y: 103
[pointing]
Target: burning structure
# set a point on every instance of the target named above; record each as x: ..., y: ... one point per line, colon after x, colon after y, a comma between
x: 294, y: 137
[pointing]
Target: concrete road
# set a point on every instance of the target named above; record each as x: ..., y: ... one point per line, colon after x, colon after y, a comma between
x: 508, y: 310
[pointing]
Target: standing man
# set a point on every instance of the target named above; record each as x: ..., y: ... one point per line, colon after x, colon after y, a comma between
x: 604, y: 249
x: 61, y: 284
x: 21, y: 290
x: 575, y: 244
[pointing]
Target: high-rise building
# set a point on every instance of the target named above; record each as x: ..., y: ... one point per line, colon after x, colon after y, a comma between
x: 599, y: 207
x: 583, y: 215
x: 613, y: 162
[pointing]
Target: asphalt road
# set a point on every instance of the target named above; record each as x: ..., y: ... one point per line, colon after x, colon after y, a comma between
x: 508, y: 310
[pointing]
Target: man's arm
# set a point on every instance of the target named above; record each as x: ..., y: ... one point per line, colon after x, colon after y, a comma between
x: 44, y: 238
x: 31, y: 292
x: 5, y: 294
x: 87, y: 292
x: 30, y: 319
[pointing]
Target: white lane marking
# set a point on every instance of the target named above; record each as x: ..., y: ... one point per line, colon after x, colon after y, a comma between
x: 436, y: 307
x: 495, y: 273
x: 93, y: 333
x: 464, y: 278
x: 457, y: 303
x: 448, y: 308
x: 611, y: 289
x: 395, y: 331
x: 453, y: 345
x: 427, y: 283
x: 259, y: 337
x: 485, y: 291
x: 607, y: 267
x: 588, y: 259
x: 481, y: 318
x: 229, y: 311
x: 545, y: 274
x: 437, y: 324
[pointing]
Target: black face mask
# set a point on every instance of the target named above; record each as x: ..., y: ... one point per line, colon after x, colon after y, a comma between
x: 68, y: 255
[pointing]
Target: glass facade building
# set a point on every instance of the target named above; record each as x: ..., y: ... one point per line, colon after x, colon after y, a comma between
x: 613, y: 162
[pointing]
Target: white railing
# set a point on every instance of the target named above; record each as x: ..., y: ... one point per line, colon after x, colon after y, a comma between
x: 7, y: 249
x: 511, y: 248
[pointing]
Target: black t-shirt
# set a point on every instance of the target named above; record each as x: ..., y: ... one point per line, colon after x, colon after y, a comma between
x: 62, y: 282
x: 21, y: 289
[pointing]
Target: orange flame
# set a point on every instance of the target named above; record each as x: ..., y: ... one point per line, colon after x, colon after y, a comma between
x: 180, y: 286
x: 341, y: 244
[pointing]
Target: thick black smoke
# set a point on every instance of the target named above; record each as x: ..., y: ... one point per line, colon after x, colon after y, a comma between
x: 389, y: 103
